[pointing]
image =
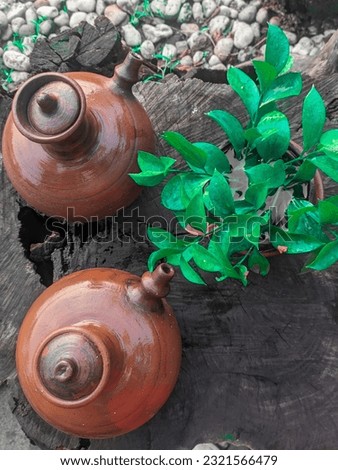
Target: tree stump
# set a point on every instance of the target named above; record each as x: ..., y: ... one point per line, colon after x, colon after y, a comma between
x: 259, y: 362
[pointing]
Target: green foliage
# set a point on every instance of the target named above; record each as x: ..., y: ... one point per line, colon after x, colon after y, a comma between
x: 224, y: 203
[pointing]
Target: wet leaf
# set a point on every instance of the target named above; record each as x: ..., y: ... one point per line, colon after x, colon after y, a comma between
x: 231, y: 126
x: 246, y: 88
x: 277, y: 47
x: 313, y: 118
x: 327, y: 256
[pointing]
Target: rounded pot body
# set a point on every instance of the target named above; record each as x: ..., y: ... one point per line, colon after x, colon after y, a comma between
x: 99, y: 352
x: 74, y: 164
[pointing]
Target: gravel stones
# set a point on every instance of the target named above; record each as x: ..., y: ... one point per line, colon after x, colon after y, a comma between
x: 156, y: 33
x: 209, y: 6
x: 115, y: 14
x: 248, y: 14
x: 243, y: 35
x: 131, y: 35
x: 16, y: 61
x: 169, y: 51
x: 3, y: 21
x: 48, y: 12
x: 147, y: 49
x: 223, y: 48
x: 218, y: 24
x: 76, y: 18
x: 303, y: 46
x: 172, y: 9
x: 185, y: 13
x: 16, y: 10
x: 197, y: 13
x: 262, y: 16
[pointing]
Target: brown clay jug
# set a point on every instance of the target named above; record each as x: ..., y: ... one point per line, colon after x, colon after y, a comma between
x: 99, y: 351
x: 71, y: 139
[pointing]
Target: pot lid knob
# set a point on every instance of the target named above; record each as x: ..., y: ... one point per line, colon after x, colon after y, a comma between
x: 48, y: 107
x: 70, y: 365
x: 54, y: 108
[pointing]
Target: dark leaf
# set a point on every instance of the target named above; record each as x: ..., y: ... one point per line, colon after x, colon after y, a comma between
x: 220, y: 195
x: 277, y: 48
x: 328, y: 212
x: 327, y: 256
x: 284, y: 86
x: 275, y: 126
x: 231, y: 126
x: 313, y: 118
x: 294, y: 242
x: 195, y: 214
x: 190, y: 153
x: 246, y: 88
x: 266, y: 74
x: 256, y: 195
x: 257, y: 259
x: 216, y: 159
x: 189, y: 273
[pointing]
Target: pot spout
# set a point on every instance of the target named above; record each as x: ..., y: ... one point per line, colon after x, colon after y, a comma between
x: 147, y: 293
x: 126, y: 74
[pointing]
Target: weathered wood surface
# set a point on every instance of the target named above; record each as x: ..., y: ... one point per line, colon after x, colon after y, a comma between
x: 260, y: 362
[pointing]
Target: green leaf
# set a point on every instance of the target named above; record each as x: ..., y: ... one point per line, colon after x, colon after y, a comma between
x: 277, y: 47
x: 328, y: 212
x: 216, y: 159
x: 195, y: 214
x: 266, y: 74
x: 313, y: 118
x: 327, y: 256
x: 163, y: 239
x: 251, y: 135
x: 231, y: 126
x: 305, y: 172
x: 160, y: 254
x: 295, y: 242
x: 246, y: 88
x: 149, y: 162
x: 282, y: 87
x: 173, y: 196
x: 328, y: 165
x: 257, y: 259
x: 271, y: 176
x: 189, y: 273
x: 148, y: 178
x: 220, y: 195
x: 219, y: 246
x: 274, y: 145
x: 205, y: 260
x: 190, y: 153
x: 256, y: 195
x: 329, y: 141
x: 288, y: 66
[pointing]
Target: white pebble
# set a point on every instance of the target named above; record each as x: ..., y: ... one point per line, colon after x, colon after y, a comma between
x: 76, y: 18
x: 172, y: 9
x: 198, y: 58
x: 48, y: 12
x: 189, y: 28
x: 243, y: 35
x: 185, y: 13
x: 16, y: 23
x: 115, y: 14
x: 100, y: 6
x: 87, y: 6
x: 131, y: 36
x: 214, y: 60
x: 170, y: 51
x: 91, y: 17
x: 158, y: 7
x: 248, y: 14
x: 218, y: 24
x: 16, y: 60
x: 223, y: 48
x: 197, y: 12
x: 55, y: 3
x: 26, y: 30
x: 28, y: 44
x: 156, y: 33
x: 209, y: 6
x: 256, y: 29
x: 303, y: 46
x: 262, y: 16
x: 186, y: 60
x: 62, y: 19
x: 19, y: 77
x: 30, y: 15
x: 147, y: 49
x: 72, y: 5
x: 218, y: 67
x: 46, y: 27
x: 292, y: 37
x: 125, y: 5
x: 181, y: 46
x: 16, y: 10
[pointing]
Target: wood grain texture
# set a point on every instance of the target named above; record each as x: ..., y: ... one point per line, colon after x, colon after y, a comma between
x: 259, y: 362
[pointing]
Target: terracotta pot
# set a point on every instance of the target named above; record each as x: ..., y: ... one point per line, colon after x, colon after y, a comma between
x: 71, y: 140
x: 99, y: 351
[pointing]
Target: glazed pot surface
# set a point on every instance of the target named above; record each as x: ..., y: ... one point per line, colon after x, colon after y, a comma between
x: 98, y: 354
x: 72, y: 160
